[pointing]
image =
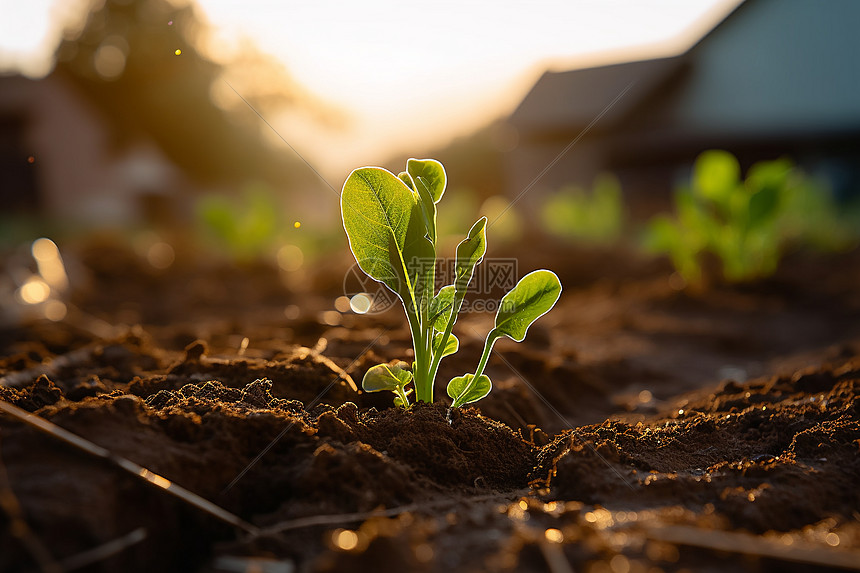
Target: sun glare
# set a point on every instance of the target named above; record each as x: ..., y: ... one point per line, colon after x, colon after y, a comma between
x: 409, y: 74
x: 416, y: 74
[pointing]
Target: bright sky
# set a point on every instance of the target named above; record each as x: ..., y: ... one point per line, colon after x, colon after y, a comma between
x: 411, y: 74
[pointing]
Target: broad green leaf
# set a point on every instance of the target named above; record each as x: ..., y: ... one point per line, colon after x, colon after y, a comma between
x: 452, y: 346
x: 378, y: 210
x: 387, y: 233
x: 428, y: 174
x: 470, y: 252
x: 715, y: 175
x: 385, y: 377
x: 531, y: 298
x: 465, y: 389
x: 441, y: 307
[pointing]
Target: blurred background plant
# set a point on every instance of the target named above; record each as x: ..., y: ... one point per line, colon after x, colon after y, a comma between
x: 241, y: 227
x: 577, y: 215
x: 748, y: 224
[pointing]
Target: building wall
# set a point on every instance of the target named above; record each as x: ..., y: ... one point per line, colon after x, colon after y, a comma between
x: 776, y: 66
x: 65, y: 137
x: 79, y: 175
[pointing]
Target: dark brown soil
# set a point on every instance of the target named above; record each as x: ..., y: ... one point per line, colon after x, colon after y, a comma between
x: 613, y: 439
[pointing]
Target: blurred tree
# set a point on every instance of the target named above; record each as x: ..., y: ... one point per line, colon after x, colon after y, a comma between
x: 143, y: 64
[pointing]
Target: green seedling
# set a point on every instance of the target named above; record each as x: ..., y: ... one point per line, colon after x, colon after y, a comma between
x: 745, y: 223
x: 592, y: 217
x: 244, y: 227
x: 390, y: 221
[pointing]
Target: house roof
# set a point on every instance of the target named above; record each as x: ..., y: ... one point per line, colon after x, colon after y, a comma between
x: 561, y: 101
x: 770, y: 68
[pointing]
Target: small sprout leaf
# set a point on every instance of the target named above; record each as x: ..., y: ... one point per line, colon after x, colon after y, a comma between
x: 429, y: 180
x: 716, y: 175
x: 466, y: 389
x: 386, y: 377
x: 425, y: 202
x: 470, y: 252
x: 428, y: 174
x: 403, y: 176
x: 440, y: 308
x: 428, y: 211
x: 452, y: 346
x: 531, y: 298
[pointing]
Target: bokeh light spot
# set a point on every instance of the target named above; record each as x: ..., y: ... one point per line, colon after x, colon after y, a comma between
x: 34, y: 291
x: 55, y: 310
x: 178, y: 52
x: 109, y: 60
x: 290, y: 258
x: 50, y: 263
x: 160, y: 255
x: 360, y: 303
x: 331, y: 317
x: 424, y: 552
x: 44, y: 249
x: 619, y: 564
x: 345, y: 539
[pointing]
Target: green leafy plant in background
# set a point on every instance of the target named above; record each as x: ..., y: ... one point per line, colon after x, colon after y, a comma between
x: 575, y: 214
x: 390, y: 221
x: 745, y: 223
x: 244, y: 227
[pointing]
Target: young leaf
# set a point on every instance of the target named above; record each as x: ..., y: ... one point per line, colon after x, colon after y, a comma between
x: 387, y: 234
x: 466, y: 389
x: 470, y: 252
x: 419, y: 256
x: 428, y: 174
x: 385, y: 377
x: 531, y: 298
x: 377, y: 209
x: 425, y: 202
x: 441, y: 307
x: 452, y: 346
x: 403, y: 176
x: 715, y: 175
